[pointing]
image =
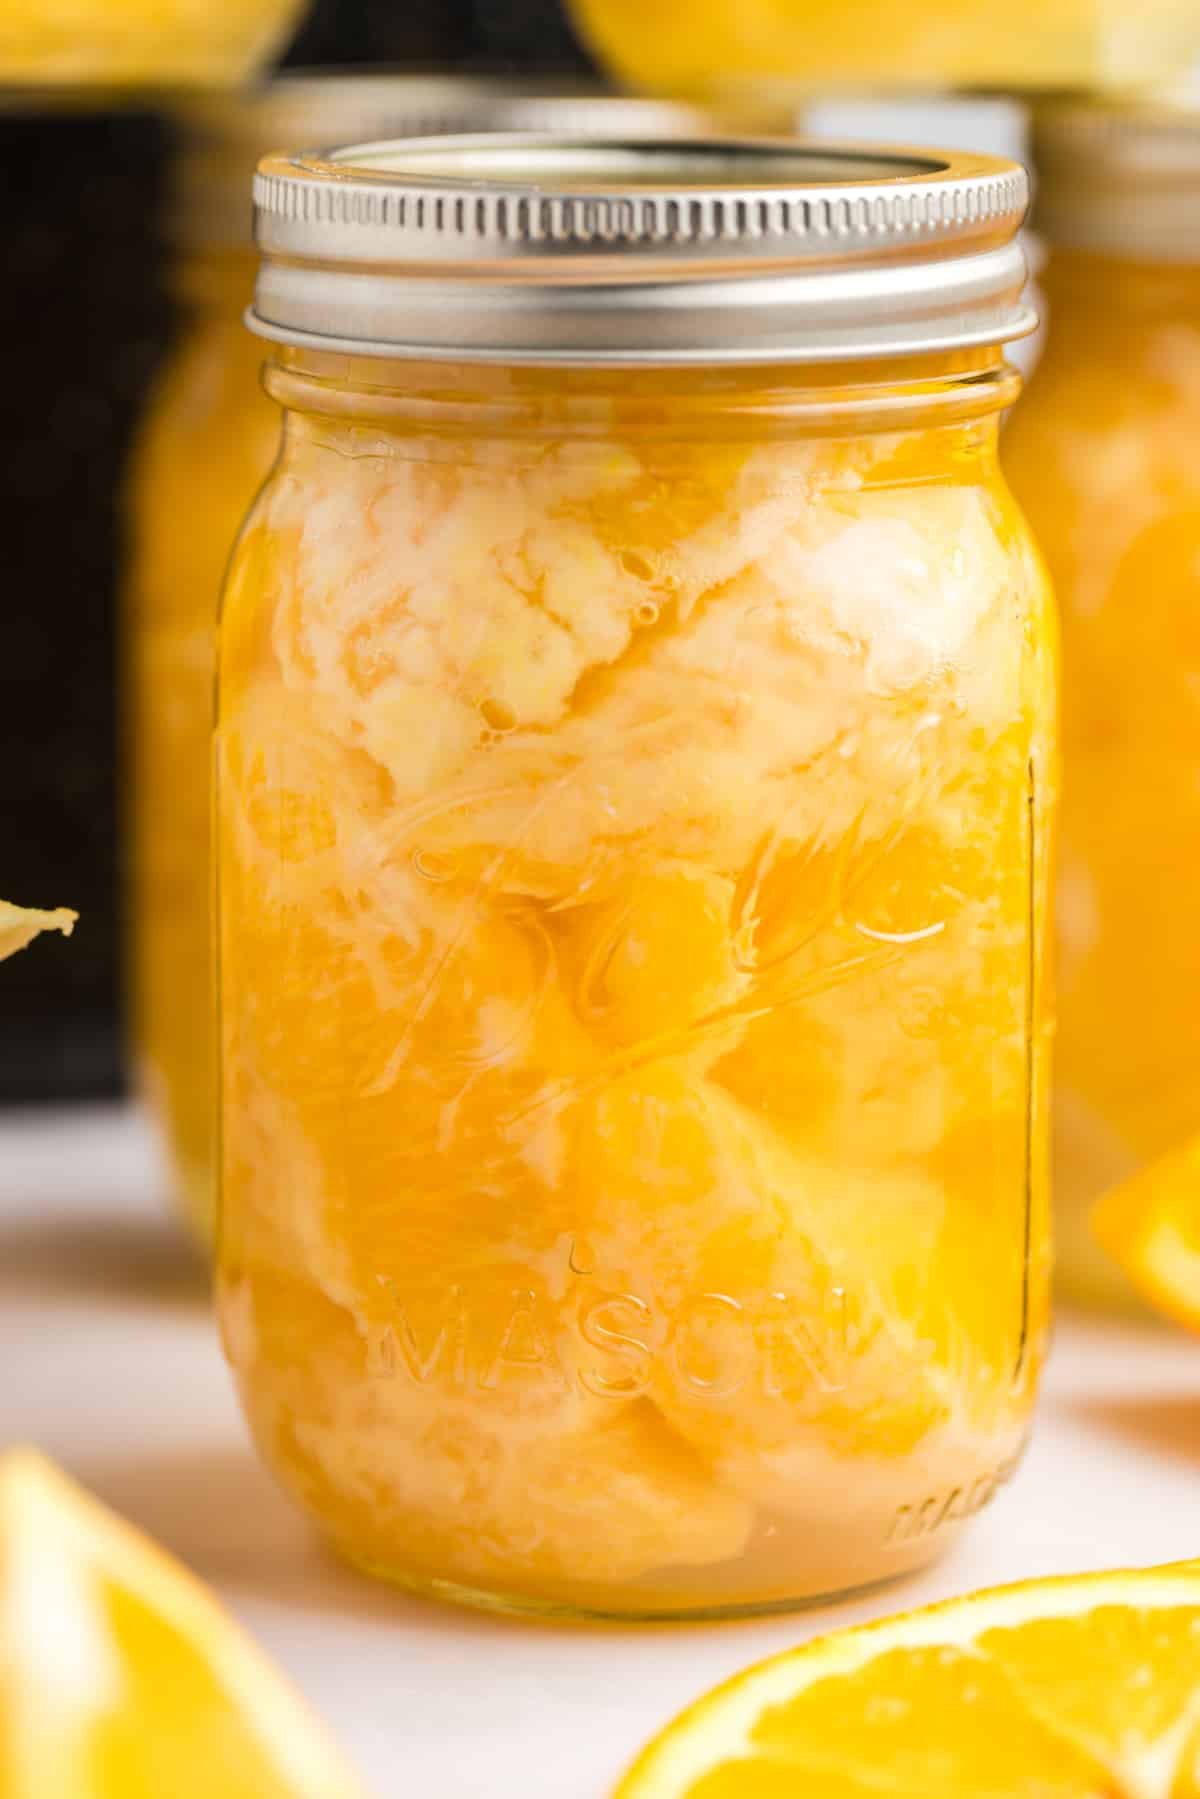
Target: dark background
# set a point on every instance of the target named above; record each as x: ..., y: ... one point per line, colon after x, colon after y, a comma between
x: 85, y: 319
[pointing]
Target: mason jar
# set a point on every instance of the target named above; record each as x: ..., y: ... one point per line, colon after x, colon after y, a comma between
x: 636, y: 708
x: 704, y: 46
x: 1103, y: 452
x: 140, y: 43
x: 207, y: 439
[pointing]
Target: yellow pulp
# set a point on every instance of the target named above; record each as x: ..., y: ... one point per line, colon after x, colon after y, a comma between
x: 632, y: 840
x: 1103, y: 453
x: 1083, y: 1688
x: 120, y: 1676
x: 698, y: 46
x: 76, y: 43
x: 206, y: 444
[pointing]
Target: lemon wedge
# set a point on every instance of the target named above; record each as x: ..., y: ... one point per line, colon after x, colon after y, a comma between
x: 1150, y: 1224
x: 19, y: 926
x: 1079, y: 1688
x: 121, y: 1678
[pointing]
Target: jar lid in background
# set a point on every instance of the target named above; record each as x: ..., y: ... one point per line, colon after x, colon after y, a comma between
x: 985, y: 124
x: 1120, y: 180
x: 565, y: 249
x: 225, y: 135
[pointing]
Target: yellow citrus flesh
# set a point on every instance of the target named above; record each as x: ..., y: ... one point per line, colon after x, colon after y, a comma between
x: 208, y: 439
x: 121, y: 1678
x: 1151, y: 1226
x: 139, y: 42
x: 19, y: 925
x: 1080, y: 1688
x: 678, y: 46
x: 1102, y: 453
x: 632, y: 1186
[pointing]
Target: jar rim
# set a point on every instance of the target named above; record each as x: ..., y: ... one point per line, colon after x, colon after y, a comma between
x: 565, y: 248
x: 485, y: 404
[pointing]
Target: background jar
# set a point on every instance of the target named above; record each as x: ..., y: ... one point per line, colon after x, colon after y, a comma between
x: 705, y: 46
x: 206, y: 443
x: 1103, y: 453
x: 140, y: 43
x: 636, y: 708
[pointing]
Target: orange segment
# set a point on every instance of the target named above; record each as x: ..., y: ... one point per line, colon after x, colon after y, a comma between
x: 1151, y: 1226
x: 1082, y: 1688
x: 467, y: 1427
x: 19, y: 926
x: 655, y: 958
x: 800, y: 1330
x: 121, y: 1678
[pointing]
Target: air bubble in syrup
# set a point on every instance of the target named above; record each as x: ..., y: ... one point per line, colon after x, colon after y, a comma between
x: 498, y: 715
x: 432, y: 867
x: 647, y: 613
x: 637, y: 565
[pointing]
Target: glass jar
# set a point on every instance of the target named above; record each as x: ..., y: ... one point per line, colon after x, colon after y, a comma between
x: 703, y: 46
x: 1103, y: 451
x: 206, y: 443
x: 140, y: 43
x: 635, y: 767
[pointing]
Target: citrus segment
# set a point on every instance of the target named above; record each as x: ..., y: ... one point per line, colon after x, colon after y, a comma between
x: 1151, y: 1225
x: 1081, y: 1688
x: 121, y: 1678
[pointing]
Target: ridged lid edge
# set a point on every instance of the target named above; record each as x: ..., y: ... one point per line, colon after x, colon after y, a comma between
x: 558, y: 248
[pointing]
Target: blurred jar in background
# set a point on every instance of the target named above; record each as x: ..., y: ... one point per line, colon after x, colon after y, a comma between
x: 1105, y: 453
x: 696, y: 46
x: 140, y: 43
x: 635, y: 762
x: 207, y: 441
x: 986, y: 124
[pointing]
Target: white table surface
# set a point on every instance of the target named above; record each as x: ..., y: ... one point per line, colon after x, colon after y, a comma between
x: 110, y: 1364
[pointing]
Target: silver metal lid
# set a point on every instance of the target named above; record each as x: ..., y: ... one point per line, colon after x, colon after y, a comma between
x: 226, y: 134
x: 569, y: 250
x: 1120, y: 180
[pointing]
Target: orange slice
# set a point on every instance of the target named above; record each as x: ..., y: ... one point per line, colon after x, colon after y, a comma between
x: 18, y: 926
x: 1080, y: 1688
x: 1150, y: 1224
x: 121, y: 1678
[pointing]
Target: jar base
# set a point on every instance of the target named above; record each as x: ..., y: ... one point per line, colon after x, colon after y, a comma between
x: 531, y: 1608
